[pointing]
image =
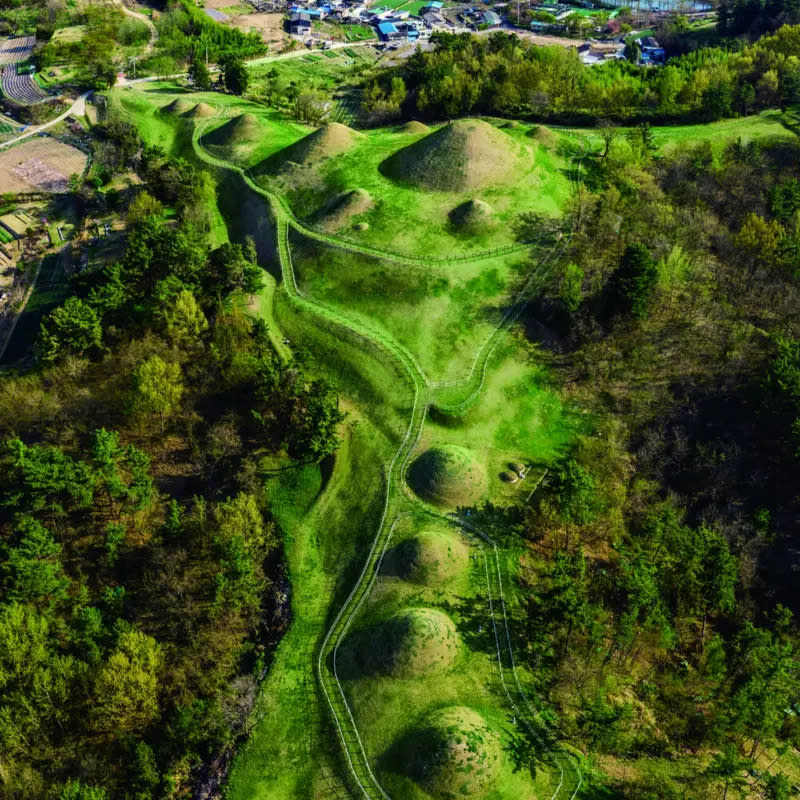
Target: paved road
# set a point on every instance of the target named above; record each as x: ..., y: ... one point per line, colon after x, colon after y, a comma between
x: 78, y: 108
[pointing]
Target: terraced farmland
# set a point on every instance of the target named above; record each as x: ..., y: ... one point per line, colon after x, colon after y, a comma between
x: 21, y: 88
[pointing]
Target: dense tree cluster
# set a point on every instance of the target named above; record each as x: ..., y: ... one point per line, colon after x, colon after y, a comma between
x: 661, y: 596
x: 501, y: 74
x: 140, y: 575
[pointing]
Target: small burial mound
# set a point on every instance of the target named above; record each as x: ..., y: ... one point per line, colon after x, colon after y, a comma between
x: 543, y: 135
x: 200, y: 111
x: 241, y: 129
x: 178, y: 107
x: 448, y: 476
x: 465, y: 155
x: 342, y: 208
x: 473, y: 216
x: 431, y: 557
x: 329, y: 140
x: 413, y: 643
x: 453, y: 754
x: 415, y: 127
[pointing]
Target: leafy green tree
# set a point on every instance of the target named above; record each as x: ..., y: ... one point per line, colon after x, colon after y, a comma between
x: 778, y: 787
x: 31, y: 569
x: 762, y: 669
x: 72, y: 328
x: 76, y: 790
x: 758, y: 240
x: 115, y: 536
x: 42, y: 478
x: 125, y: 691
x: 36, y: 682
x: 229, y: 269
x: 234, y: 74
x: 242, y: 516
x: 728, y: 768
x: 142, y: 206
x: 314, y: 422
x: 573, y: 491
x: 198, y: 74
x: 571, y: 289
x: 158, y: 388
x: 634, y: 281
x: 185, y: 321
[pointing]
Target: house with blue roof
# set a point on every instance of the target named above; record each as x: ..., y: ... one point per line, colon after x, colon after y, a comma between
x: 388, y: 32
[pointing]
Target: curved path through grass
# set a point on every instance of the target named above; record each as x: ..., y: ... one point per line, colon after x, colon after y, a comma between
x: 424, y: 393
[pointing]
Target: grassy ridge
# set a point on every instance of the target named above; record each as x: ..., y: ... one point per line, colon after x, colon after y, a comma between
x: 441, y: 317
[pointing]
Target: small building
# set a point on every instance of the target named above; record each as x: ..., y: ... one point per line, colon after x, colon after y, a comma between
x: 434, y: 7
x: 433, y: 20
x: 388, y: 32
x: 490, y: 18
x: 651, y: 51
x: 300, y: 24
x: 598, y: 52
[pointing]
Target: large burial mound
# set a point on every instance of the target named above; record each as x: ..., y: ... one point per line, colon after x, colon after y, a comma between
x: 448, y: 475
x: 341, y: 210
x: 463, y: 156
x: 329, y: 140
x: 413, y: 643
x: 200, y: 111
x: 178, y: 107
x: 453, y: 755
x: 242, y: 130
x: 415, y: 127
x: 431, y: 557
x: 474, y: 216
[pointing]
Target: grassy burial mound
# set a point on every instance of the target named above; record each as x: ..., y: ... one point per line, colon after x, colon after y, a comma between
x: 544, y: 135
x: 177, y: 107
x: 330, y: 140
x: 413, y: 643
x: 200, y: 111
x: 453, y: 754
x: 449, y: 476
x: 236, y: 136
x: 465, y: 155
x: 474, y: 216
x: 432, y: 557
x: 415, y: 127
x: 342, y: 209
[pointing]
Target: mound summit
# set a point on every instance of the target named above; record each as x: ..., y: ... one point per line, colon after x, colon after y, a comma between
x: 177, y: 106
x: 431, y: 557
x: 241, y: 129
x: 414, y: 126
x: 448, y: 475
x: 343, y: 208
x: 472, y: 217
x: 200, y: 111
x: 465, y: 155
x: 453, y: 754
x: 412, y: 643
x: 329, y: 140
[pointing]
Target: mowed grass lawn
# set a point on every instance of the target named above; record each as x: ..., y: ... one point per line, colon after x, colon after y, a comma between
x: 767, y: 124
x: 390, y: 708
x: 439, y: 314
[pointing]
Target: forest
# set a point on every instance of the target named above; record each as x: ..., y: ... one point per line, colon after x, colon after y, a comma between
x: 502, y: 75
x: 662, y: 599
x: 141, y: 584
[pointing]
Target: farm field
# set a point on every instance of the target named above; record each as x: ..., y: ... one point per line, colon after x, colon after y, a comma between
x: 397, y: 265
x: 39, y: 164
